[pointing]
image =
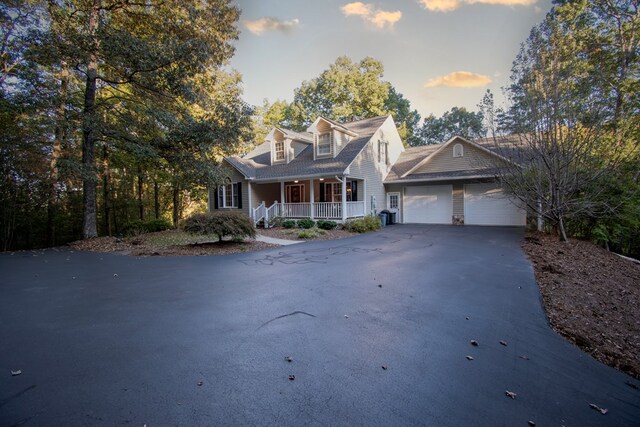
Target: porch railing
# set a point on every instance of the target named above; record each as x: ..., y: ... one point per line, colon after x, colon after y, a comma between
x: 355, y: 209
x: 321, y: 210
x: 295, y: 210
x: 327, y: 210
x: 259, y: 213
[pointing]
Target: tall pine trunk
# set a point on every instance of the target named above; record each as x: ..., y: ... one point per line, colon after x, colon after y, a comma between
x: 176, y: 204
x: 106, y: 190
x: 58, y: 139
x: 156, y: 200
x: 89, y: 178
x: 140, y: 194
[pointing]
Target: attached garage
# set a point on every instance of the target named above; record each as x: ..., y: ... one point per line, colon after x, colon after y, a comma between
x: 428, y: 204
x: 486, y: 204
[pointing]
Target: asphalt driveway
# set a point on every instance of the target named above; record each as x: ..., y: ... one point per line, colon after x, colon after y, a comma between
x: 108, y: 339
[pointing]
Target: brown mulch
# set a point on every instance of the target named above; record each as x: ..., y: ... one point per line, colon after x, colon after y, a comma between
x: 291, y: 234
x: 137, y: 247
x: 591, y: 297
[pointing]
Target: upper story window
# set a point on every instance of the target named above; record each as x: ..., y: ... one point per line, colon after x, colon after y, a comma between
x: 324, y: 144
x: 457, y: 150
x: 382, y: 152
x: 279, y: 150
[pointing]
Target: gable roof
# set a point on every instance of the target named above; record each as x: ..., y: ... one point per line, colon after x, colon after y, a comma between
x: 412, y: 159
x: 256, y: 165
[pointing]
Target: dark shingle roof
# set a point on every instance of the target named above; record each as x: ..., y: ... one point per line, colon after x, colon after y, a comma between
x: 504, y: 146
x: 257, y: 164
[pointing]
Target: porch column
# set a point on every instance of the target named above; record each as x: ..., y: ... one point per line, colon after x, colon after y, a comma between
x: 311, y: 197
x: 250, y: 201
x: 344, y: 198
x: 281, y: 191
x: 364, y: 198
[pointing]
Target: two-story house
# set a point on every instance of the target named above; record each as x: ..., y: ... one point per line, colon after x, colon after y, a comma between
x: 340, y: 171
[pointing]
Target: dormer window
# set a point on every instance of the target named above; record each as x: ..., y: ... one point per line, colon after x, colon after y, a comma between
x: 457, y: 150
x: 324, y: 144
x: 279, y: 151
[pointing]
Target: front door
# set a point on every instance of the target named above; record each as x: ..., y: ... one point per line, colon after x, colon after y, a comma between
x: 393, y: 202
x: 295, y: 193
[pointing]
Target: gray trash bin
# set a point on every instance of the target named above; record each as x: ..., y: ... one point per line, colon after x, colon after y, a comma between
x: 383, y: 218
x: 389, y: 216
x: 393, y: 217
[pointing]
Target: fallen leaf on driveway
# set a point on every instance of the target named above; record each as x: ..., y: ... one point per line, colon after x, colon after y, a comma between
x: 532, y: 424
x: 288, y: 359
x: 469, y: 358
x: 18, y: 372
x: 474, y: 343
x: 346, y: 317
x: 504, y: 343
x: 510, y: 394
x: 292, y: 377
x: 524, y: 357
x: 385, y: 367
x: 599, y: 409
x: 379, y: 286
x: 200, y: 383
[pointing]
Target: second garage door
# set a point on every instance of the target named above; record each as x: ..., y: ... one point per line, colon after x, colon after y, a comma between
x: 486, y: 204
x: 429, y: 204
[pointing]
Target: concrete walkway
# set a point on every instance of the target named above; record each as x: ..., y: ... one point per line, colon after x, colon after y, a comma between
x: 274, y: 241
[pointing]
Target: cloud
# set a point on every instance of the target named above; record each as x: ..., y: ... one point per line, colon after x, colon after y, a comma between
x: 451, y: 5
x: 440, y: 5
x: 379, y: 18
x: 261, y: 25
x: 459, y: 79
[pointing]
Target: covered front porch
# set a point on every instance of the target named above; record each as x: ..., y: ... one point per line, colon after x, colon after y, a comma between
x: 337, y: 199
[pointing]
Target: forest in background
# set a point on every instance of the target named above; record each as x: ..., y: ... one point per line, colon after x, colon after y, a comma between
x: 116, y: 112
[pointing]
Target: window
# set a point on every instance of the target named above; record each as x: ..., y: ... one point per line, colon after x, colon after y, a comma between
x: 324, y: 144
x: 457, y: 150
x: 279, y: 150
x: 228, y: 195
x: 382, y: 152
x: 333, y: 191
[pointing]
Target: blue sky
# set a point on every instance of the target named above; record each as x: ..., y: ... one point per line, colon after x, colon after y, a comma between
x: 438, y: 53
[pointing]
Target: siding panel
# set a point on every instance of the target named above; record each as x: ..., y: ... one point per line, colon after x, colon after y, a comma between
x: 444, y: 161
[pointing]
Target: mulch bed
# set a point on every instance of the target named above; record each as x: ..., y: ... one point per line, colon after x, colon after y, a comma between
x: 591, y: 297
x: 137, y: 247
x: 291, y: 234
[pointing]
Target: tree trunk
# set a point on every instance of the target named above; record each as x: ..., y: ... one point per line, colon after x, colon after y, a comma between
x: 176, y: 204
x: 563, y: 233
x: 106, y: 190
x: 140, y: 203
x: 89, y: 226
x: 58, y: 139
x: 156, y: 200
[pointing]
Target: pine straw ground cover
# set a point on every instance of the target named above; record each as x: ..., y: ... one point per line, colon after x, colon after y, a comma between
x: 168, y: 243
x: 293, y: 233
x: 591, y: 297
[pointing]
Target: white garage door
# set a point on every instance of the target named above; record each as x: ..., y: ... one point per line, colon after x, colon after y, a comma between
x: 430, y: 204
x: 486, y: 204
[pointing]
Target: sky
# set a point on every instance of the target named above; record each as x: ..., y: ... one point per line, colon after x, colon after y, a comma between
x: 438, y: 53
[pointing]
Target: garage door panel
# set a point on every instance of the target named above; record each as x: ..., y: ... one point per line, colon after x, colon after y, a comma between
x: 430, y: 204
x: 486, y: 204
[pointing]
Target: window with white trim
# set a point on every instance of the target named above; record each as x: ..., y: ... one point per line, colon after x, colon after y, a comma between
x: 333, y: 191
x: 228, y: 196
x: 458, y: 150
x: 279, y: 151
x: 324, y: 144
x: 382, y: 152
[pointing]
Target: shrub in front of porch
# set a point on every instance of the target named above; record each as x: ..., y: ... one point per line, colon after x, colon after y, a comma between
x: 289, y: 223
x: 221, y: 224
x: 326, y: 224
x: 363, y: 225
x: 306, y: 223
